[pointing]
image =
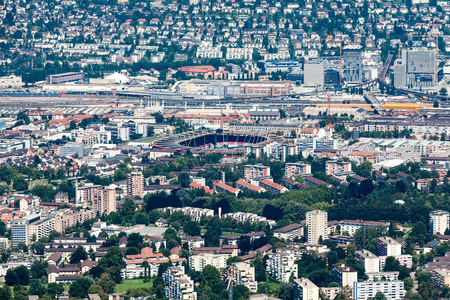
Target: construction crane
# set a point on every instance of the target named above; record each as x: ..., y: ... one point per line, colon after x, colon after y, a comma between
x: 329, y: 104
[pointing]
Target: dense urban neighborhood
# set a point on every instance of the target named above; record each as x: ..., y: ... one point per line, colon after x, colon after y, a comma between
x: 197, y: 150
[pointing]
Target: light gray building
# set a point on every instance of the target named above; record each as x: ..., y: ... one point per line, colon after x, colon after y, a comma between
x: 353, y: 66
x: 416, y: 68
x: 70, y: 149
x: 314, y: 73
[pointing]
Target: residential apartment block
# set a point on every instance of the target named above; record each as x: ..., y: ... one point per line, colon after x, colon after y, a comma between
x: 282, y: 266
x: 335, y: 167
x: 370, y: 261
x: 272, y: 187
x: 439, y: 221
x: 392, y: 290
x: 198, y: 262
x: 256, y: 171
x: 289, y: 232
x: 241, y: 273
x: 387, y: 246
x: 317, y: 223
x: 304, y: 289
x: 294, y: 169
x: 195, y: 213
x: 179, y: 286
x: 344, y: 275
x: 135, y: 184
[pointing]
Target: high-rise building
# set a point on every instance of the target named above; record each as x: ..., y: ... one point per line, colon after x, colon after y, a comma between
x: 304, y: 289
x: 104, y: 201
x: 416, y: 68
x: 314, y: 74
x: 317, y: 222
x: 135, y: 184
x: 20, y: 232
x: 353, y: 66
x: 387, y: 246
x: 439, y: 221
x: 124, y: 133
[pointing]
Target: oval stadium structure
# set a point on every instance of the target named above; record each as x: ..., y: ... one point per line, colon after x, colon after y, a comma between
x: 215, y: 141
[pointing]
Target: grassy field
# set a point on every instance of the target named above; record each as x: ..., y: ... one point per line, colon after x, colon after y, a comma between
x: 152, y: 140
x: 131, y: 284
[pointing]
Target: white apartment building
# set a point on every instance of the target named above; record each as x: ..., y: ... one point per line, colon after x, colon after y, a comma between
x: 392, y: 290
x: 239, y: 53
x: 195, y: 213
x: 179, y: 285
x: 241, y: 273
x: 41, y: 228
x: 11, y: 81
x: 351, y: 226
x: 389, y: 276
x: 387, y: 246
x: 282, y: 266
x: 304, y: 289
x: 252, y: 218
x: 289, y: 232
x: 294, y: 169
x: 439, y: 221
x: 344, y: 275
x: 317, y: 222
x: 199, y: 261
x: 124, y: 133
x: 209, y: 52
x: 370, y: 261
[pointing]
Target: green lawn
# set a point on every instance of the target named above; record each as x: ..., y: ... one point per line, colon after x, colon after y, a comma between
x: 152, y: 140
x: 131, y: 284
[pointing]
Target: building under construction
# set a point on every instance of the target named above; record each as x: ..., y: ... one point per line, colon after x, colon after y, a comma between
x: 415, y: 68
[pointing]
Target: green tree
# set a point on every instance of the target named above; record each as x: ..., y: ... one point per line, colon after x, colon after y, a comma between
x: 391, y: 264
x: 5, y: 293
x: 379, y: 296
x: 11, y: 277
x: 107, y: 283
x: 192, y: 228
x: 38, y: 268
x: 37, y: 288
x: 54, y: 289
x: 128, y: 209
x: 23, y: 275
x: 184, y: 179
x: 79, y: 288
x: 285, y: 291
x: 210, y: 276
x: 408, y: 283
x: 79, y: 255
x: 20, y: 184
